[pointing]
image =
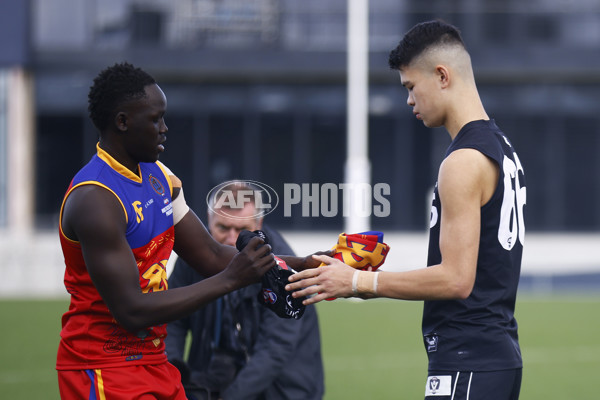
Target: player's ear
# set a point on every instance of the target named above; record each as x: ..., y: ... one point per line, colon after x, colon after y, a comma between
x: 121, y: 121
x: 443, y: 76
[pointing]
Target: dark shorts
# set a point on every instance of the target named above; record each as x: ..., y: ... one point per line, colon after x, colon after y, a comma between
x: 466, y: 385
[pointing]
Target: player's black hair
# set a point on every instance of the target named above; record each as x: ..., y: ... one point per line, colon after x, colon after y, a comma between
x: 419, y: 38
x: 112, y: 87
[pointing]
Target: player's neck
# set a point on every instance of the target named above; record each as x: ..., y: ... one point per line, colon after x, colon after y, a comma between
x: 119, y: 155
x: 464, y: 114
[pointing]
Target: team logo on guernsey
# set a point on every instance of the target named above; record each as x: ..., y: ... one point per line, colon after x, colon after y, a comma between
x: 269, y: 296
x: 431, y: 342
x: 156, y: 185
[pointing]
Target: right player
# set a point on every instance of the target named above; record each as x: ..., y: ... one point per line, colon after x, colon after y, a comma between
x: 121, y: 216
x: 476, y: 231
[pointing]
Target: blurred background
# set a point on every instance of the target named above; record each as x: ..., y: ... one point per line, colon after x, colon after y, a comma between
x: 257, y: 89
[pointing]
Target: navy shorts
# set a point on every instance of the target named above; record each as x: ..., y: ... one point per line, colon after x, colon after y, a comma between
x: 465, y: 385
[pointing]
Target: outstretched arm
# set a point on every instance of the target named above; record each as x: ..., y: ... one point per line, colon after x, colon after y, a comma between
x: 303, y: 263
x: 466, y: 182
x: 198, y: 248
x: 193, y: 242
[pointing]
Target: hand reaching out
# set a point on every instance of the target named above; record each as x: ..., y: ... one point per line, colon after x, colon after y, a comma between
x: 332, y: 280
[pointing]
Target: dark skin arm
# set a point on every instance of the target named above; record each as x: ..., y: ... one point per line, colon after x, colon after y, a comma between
x: 308, y: 262
x: 94, y: 217
x: 208, y: 259
x: 211, y: 258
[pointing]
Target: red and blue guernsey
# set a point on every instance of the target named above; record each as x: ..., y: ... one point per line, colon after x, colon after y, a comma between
x: 90, y: 336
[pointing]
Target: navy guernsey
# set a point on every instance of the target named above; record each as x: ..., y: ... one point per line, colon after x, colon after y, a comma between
x: 480, y: 332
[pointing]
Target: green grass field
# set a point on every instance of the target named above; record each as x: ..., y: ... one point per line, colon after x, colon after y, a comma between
x: 371, y: 349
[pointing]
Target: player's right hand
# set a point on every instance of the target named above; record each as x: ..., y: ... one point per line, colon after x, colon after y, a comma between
x: 251, y: 263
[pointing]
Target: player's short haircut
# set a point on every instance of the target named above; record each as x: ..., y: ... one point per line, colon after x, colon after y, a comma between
x: 112, y: 87
x: 422, y: 37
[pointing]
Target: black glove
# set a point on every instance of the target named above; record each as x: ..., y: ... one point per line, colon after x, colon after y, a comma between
x: 273, y: 294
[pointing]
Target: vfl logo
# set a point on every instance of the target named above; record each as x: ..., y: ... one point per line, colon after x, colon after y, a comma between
x: 138, y: 211
x: 438, y: 386
x: 434, y: 384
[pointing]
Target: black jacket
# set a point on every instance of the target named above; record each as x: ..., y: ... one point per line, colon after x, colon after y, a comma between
x: 277, y: 359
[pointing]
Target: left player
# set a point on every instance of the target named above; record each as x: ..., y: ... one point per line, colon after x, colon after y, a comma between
x: 121, y: 216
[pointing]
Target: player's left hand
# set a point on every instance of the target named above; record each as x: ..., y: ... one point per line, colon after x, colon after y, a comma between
x: 332, y: 280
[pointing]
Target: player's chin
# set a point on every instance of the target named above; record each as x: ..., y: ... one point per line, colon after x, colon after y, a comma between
x: 151, y: 158
x: 429, y: 124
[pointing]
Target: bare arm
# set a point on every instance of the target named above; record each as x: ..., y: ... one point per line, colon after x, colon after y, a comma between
x: 94, y: 217
x: 466, y: 181
x: 209, y: 258
x: 302, y: 263
x: 214, y: 256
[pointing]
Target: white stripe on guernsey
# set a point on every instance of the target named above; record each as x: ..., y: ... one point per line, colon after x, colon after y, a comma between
x: 455, y: 382
x: 469, y: 387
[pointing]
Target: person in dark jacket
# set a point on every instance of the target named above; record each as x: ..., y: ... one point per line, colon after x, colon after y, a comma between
x: 239, y: 348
